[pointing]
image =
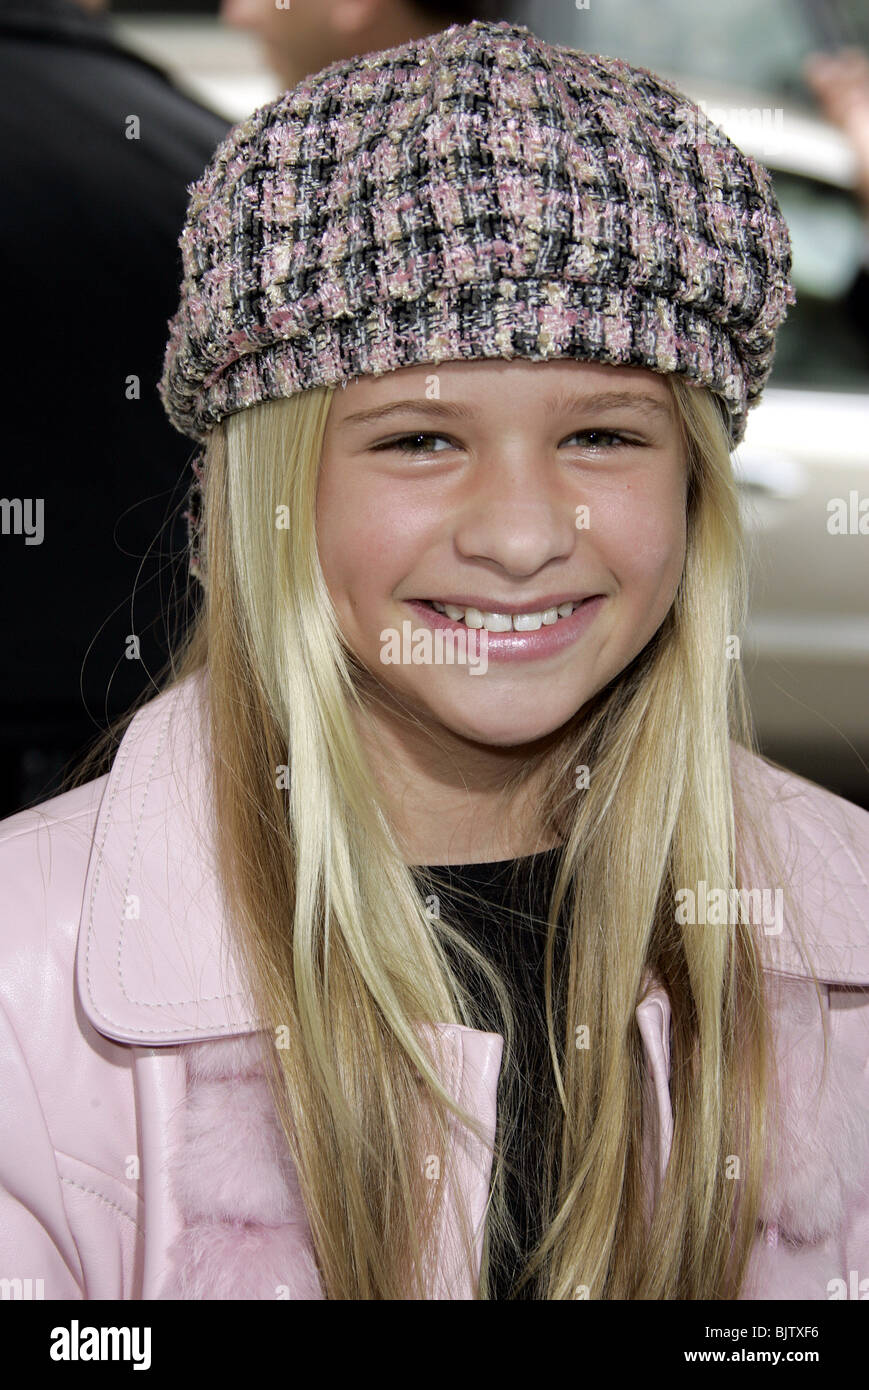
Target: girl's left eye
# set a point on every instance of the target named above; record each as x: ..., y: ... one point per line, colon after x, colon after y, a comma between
x: 405, y: 439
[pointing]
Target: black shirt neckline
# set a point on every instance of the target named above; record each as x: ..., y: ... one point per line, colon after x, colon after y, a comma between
x: 488, y: 865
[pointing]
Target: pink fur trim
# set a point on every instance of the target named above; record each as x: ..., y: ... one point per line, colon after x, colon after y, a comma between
x: 246, y: 1232
x: 219, y: 1058
x: 233, y: 1261
x: 233, y: 1163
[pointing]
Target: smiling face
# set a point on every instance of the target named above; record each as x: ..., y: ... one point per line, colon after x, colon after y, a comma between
x: 474, y: 495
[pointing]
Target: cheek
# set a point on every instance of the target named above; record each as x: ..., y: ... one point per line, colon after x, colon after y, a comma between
x: 362, y: 533
x: 642, y: 534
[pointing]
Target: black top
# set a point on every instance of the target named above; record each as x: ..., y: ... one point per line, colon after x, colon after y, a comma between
x: 511, y: 932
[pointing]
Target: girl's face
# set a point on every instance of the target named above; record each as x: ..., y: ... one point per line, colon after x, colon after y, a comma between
x: 466, y: 482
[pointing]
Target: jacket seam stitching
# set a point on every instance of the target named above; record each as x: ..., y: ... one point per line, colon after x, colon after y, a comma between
x: 140, y: 1003
x: 95, y: 1192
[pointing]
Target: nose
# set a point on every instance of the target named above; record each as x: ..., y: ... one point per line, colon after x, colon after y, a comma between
x: 518, y: 514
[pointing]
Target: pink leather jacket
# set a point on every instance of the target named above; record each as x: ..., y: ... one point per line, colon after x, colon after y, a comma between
x: 139, y: 1156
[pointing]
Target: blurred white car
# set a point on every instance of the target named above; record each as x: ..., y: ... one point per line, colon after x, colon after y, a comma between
x: 804, y: 463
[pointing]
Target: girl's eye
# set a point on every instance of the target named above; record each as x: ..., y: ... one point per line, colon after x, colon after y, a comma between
x: 595, y: 437
x: 411, y: 438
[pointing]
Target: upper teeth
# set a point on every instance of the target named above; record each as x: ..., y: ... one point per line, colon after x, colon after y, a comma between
x: 504, y: 622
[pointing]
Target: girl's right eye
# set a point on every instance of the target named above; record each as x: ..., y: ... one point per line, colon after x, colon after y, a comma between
x: 403, y: 439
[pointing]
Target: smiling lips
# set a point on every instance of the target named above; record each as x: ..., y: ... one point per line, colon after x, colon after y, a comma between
x: 548, y: 633
x: 498, y: 617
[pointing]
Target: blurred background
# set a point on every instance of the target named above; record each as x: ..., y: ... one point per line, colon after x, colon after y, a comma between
x: 788, y: 80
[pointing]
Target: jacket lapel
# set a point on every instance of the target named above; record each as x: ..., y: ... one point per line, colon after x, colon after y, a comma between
x: 154, y: 963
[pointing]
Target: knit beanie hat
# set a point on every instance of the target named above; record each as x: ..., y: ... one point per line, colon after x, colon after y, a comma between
x: 477, y: 193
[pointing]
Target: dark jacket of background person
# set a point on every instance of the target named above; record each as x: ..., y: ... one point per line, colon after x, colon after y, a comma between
x: 89, y: 227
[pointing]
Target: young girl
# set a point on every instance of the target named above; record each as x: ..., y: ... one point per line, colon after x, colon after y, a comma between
x: 437, y: 932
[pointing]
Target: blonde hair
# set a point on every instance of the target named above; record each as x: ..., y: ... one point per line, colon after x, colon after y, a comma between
x: 349, y: 969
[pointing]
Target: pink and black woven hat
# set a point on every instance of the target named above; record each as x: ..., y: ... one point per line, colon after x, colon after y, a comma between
x: 475, y: 193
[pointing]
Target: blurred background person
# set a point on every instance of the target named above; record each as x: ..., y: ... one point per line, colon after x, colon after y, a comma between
x: 312, y: 33
x: 98, y: 149
x: 840, y: 83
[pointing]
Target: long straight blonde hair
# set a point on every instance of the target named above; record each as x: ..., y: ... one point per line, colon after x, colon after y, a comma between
x: 349, y: 969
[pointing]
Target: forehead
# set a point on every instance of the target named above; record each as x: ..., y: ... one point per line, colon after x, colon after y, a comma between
x: 491, y: 381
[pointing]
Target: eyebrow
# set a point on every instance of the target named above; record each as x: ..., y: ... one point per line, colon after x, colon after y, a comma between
x: 601, y: 400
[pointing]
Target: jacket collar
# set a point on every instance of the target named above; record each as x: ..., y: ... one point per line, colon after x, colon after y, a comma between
x: 154, y: 962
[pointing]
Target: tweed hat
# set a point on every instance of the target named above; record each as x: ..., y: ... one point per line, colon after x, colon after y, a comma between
x: 475, y: 193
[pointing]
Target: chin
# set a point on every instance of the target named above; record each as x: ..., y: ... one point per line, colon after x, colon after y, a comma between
x: 503, y: 730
